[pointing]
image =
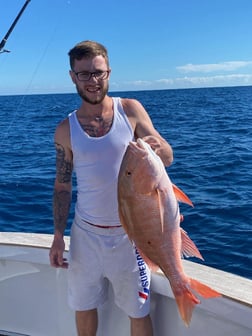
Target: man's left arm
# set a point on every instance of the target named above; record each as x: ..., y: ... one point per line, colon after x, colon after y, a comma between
x: 144, y: 128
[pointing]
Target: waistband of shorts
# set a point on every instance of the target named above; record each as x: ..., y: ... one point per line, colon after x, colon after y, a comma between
x: 99, y: 229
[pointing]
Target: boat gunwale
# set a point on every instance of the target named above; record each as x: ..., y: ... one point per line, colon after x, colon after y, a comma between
x: 223, y: 282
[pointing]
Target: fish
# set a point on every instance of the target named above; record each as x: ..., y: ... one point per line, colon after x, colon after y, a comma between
x: 148, y: 206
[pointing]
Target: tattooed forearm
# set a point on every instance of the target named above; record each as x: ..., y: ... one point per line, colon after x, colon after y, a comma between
x: 61, y: 206
x: 64, y: 167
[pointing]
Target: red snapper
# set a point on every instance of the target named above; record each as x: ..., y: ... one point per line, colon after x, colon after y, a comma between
x: 149, y: 212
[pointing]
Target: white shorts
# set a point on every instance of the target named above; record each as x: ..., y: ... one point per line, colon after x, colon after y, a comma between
x: 97, y: 258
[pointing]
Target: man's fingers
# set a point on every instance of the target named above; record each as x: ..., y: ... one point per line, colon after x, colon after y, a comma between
x: 57, y: 260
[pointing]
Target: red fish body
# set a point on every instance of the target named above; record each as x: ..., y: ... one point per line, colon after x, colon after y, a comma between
x: 149, y: 212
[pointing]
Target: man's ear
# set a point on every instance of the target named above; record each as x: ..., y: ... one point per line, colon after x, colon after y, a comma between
x: 72, y: 75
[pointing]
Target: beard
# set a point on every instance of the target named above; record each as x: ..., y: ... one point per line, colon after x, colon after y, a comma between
x: 96, y: 100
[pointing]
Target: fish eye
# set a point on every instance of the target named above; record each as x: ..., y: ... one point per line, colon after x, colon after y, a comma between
x: 128, y: 173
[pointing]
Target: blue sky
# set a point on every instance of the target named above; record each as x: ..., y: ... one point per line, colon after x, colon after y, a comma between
x: 152, y: 44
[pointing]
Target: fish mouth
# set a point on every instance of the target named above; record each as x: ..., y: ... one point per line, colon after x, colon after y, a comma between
x: 140, y: 144
x: 142, y: 147
x: 147, y: 148
x: 136, y: 150
x: 135, y: 145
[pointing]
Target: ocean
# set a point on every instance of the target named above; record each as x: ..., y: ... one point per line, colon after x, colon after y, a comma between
x: 210, y: 131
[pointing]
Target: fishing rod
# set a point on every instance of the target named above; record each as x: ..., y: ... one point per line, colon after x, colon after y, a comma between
x: 4, y: 40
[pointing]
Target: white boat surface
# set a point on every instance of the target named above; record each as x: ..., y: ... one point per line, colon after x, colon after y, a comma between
x: 33, y: 297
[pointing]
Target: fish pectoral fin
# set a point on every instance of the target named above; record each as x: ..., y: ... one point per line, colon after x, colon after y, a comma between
x: 188, y: 248
x: 181, y: 196
x: 161, y: 208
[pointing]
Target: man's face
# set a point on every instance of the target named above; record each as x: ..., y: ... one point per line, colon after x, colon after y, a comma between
x: 91, y: 77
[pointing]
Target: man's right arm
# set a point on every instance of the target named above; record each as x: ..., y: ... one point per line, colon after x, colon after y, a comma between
x: 62, y: 195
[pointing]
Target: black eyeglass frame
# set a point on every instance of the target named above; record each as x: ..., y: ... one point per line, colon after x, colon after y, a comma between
x: 99, y: 75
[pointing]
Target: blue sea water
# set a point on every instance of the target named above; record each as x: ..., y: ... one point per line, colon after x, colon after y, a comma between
x: 210, y: 131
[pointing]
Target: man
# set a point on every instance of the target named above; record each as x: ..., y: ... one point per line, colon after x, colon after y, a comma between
x: 93, y: 140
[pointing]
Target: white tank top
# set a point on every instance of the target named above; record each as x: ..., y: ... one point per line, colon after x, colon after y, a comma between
x: 97, y: 162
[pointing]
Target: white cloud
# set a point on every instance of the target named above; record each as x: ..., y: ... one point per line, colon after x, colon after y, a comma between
x: 219, y: 80
x: 211, y: 81
x: 141, y: 83
x: 224, y: 66
x: 185, y: 82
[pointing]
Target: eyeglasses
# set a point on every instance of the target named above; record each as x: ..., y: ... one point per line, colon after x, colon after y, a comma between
x: 85, y: 76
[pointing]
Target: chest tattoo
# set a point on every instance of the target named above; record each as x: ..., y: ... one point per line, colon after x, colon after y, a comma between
x: 97, y: 127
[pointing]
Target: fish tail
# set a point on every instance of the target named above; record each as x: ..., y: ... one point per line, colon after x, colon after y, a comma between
x: 186, y: 302
x: 186, y: 299
x: 203, y: 290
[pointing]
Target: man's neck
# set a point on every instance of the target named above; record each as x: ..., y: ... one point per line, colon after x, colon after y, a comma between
x: 96, y: 120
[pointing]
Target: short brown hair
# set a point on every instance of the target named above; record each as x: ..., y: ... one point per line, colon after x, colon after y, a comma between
x: 87, y: 49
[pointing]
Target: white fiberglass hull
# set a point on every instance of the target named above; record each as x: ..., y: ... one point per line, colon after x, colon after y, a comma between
x: 33, y: 298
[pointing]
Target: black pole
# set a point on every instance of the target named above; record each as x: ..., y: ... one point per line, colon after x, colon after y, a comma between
x: 4, y: 40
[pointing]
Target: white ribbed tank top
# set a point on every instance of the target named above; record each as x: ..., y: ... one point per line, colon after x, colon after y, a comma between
x: 97, y: 162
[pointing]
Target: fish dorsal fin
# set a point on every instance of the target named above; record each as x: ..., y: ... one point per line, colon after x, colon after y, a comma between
x: 188, y: 248
x: 161, y: 207
x: 181, y: 196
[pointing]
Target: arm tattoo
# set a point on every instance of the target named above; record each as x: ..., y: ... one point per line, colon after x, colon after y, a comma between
x: 64, y: 167
x: 61, y: 206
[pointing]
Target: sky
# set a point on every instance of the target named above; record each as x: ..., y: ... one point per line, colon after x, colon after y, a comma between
x: 152, y: 44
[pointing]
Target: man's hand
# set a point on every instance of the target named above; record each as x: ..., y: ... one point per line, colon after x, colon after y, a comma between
x: 153, y: 141
x: 56, y: 253
x: 161, y: 148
